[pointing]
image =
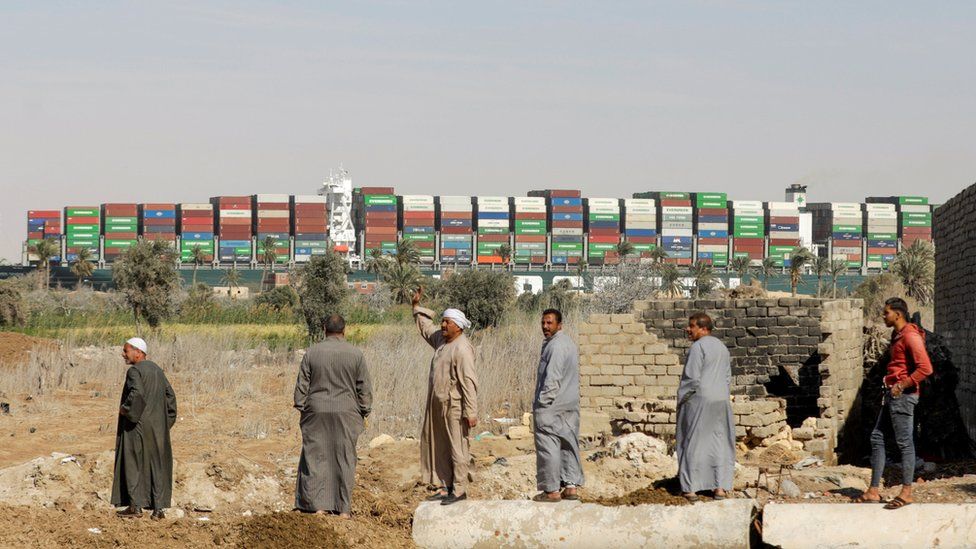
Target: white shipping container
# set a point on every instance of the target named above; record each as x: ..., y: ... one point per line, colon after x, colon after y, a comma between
x: 563, y: 231
x: 676, y: 210
x: 915, y: 208
x: 530, y: 209
x: 676, y: 232
x: 197, y: 207
x: 782, y: 206
x: 530, y: 201
x: 418, y: 207
x: 272, y: 198
x: 748, y: 212
x: 310, y: 199
x: 493, y: 223
x: 614, y: 202
x: 882, y: 215
x: 274, y: 213
x: 648, y: 217
x: 235, y: 213
x: 880, y: 207
x: 785, y: 213
x: 840, y: 206
x: 493, y: 208
x: 713, y: 226
x: 784, y: 234
x: 639, y: 203
x: 747, y: 205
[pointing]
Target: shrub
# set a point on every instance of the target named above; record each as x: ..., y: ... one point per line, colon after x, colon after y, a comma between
x: 279, y: 299
x: 322, y: 289
x: 146, y: 275
x: 484, y: 296
x: 13, y: 304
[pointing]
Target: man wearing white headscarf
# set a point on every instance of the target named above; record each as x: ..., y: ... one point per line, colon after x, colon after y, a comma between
x: 452, y: 403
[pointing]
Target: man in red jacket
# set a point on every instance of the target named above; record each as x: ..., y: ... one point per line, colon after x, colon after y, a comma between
x: 908, y: 366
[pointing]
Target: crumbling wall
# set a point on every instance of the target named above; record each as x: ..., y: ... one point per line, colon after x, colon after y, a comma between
x: 794, y: 361
x: 954, y: 230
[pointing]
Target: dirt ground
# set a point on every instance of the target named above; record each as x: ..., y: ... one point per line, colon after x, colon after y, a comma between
x: 15, y: 347
x: 236, y: 457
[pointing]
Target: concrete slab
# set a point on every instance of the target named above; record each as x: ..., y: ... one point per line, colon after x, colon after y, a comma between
x: 810, y: 525
x: 486, y: 524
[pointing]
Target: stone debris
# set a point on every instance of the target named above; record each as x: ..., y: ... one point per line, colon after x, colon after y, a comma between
x: 380, y: 441
x: 519, y: 432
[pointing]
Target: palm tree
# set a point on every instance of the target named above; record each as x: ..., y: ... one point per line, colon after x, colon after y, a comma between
x: 198, y: 257
x: 915, y: 268
x: 798, y: 259
x: 403, y: 280
x: 767, y: 268
x: 671, y: 280
x: 268, y: 257
x: 741, y: 267
x: 82, y: 265
x: 407, y: 253
x: 705, y: 278
x: 657, y: 254
x: 624, y: 249
x: 45, y: 250
x: 505, y: 252
x: 232, y: 278
x: 821, y: 267
x: 376, y: 262
x: 837, y: 268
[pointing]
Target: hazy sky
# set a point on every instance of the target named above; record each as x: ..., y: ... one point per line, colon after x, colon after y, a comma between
x: 179, y: 101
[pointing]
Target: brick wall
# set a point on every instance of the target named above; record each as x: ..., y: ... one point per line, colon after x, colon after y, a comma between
x: 954, y: 230
x: 795, y: 361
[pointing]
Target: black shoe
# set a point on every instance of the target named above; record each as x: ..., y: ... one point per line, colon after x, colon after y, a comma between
x: 158, y: 515
x: 130, y: 512
x: 454, y: 499
x: 438, y: 496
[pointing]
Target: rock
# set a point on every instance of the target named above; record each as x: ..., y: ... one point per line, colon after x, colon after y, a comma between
x: 789, y: 488
x: 634, y: 445
x: 175, y: 513
x: 809, y: 423
x: 594, y: 423
x: 519, y: 432
x: 527, y: 419
x: 380, y: 441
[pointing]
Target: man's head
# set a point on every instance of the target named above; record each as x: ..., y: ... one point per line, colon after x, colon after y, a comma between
x: 335, y: 325
x: 895, y: 312
x: 699, y: 326
x: 453, y: 322
x: 134, y: 350
x: 552, y: 322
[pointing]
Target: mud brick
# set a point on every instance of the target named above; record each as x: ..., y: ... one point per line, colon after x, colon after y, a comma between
x: 765, y: 322
x: 611, y: 370
x: 644, y: 359
x: 589, y: 370
x: 656, y: 370
x: 788, y: 321
x: 634, y: 328
x: 750, y: 420
x: 803, y: 433
x: 666, y: 359
x: 757, y: 311
x: 633, y: 349
x: 599, y: 339
x: 632, y: 370
x: 663, y: 429
x: 787, y: 340
x: 809, y: 322
x: 765, y: 431
x: 623, y: 318
x: 757, y: 331
x: 816, y: 446
x: 610, y: 329
x: 746, y: 341
x: 809, y: 302
x: 658, y: 417
x: 675, y: 370
x: 778, y: 330
x: 601, y: 380
x: 799, y: 311
x: 599, y: 318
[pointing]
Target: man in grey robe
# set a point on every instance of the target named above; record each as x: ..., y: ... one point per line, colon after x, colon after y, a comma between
x: 705, y: 430
x: 143, y: 477
x: 334, y: 395
x: 556, y: 414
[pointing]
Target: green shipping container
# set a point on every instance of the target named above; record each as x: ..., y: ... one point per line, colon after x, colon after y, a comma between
x: 675, y: 196
x: 419, y: 237
x: 119, y: 243
x: 492, y: 230
x: 882, y: 236
x: 846, y: 228
x: 83, y: 212
x: 913, y: 200
x: 748, y: 234
x: 604, y: 217
x: 379, y: 199
x: 566, y: 246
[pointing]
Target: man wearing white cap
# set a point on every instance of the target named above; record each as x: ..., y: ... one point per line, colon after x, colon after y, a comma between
x: 452, y: 403
x: 143, y: 454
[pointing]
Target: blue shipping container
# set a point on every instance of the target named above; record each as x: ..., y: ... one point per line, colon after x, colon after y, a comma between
x: 159, y: 214
x: 713, y: 234
x: 567, y: 201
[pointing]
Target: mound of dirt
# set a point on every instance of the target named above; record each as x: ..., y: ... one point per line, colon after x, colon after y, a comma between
x: 649, y: 494
x: 289, y: 530
x: 16, y: 347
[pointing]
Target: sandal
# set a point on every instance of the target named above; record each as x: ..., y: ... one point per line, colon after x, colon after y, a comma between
x: 569, y: 497
x: 692, y: 498
x: 862, y: 499
x: 438, y: 496
x: 543, y: 498
x: 897, y: 503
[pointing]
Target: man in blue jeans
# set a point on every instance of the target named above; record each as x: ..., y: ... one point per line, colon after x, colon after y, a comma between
x: 908, y: 366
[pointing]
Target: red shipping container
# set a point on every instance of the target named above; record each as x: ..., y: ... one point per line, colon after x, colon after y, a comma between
x: 122, y: 236
x: 642, y: 239
x: 530, y: 216
x: 380, y: 230
x: 784, y: 242
x: 605, y: 239
x: 713, y: 211
x: 418, y: 215
x: 784, y: 220
x: 456, y: 230
x: 44, y: 214
x: 713, y: 241
x: 564, y: 193
x: 530, y: 238
x: 159, y: 206
x: 489, y: 259
x: 671, y: 203
x: 604, y: 232
x: 157, y: 222
x: 35, y: 235
x: 160, y: 236
x: 492, y: 238
x: 567, y: 209
x: 196, y: 213
x: 567, y: 224
x: 377, y: 190
x: 83, y: 220
x: 273, y: 206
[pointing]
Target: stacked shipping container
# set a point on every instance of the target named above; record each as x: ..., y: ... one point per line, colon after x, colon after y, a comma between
x: 120, y: 226
x: 457, y: 227
x: 783, y: 228
x: 712, y: 228
x: 640, y: 224
x: 418, y: 225
x: 158, y: 222
x: 82, y: 229
x: 914, y: 216
x: 493, y: 227
x: 376, y: 215
x: 530, y: 230
x: 272, y: 220
x: 748, y: 230
x: 603, y: 229
x: 677, y: 225
x: 310, y: 218
x: 881, y: 229
x: 44, y: 225
x: 839, y: 223
x: 196, y: 230
x: 234, y: 228
x: 565, y: 208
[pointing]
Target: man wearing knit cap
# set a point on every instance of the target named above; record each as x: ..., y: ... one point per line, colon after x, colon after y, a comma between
x: 452, y: 403
x: 143, y: 454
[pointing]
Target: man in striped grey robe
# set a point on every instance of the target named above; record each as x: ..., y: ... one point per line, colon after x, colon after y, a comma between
x: 334, y: 395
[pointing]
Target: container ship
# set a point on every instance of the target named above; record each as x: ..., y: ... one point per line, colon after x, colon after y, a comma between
x: 556, y: 229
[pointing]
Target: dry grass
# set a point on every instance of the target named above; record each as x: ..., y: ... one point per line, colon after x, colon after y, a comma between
x: 217, y: 366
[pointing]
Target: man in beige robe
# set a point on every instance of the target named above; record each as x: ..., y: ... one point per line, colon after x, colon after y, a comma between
x: 452, y: 403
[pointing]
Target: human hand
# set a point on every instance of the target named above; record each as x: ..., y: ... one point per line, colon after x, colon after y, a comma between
x: 896, y: 390
x: 417, y: 295
x: 472, y: 422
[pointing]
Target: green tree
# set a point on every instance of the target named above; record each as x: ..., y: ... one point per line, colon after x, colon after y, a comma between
x: 671, y: 285
x: 268, y: 257
x: 232, y: 279
x: 407, y: 253
x: 915, y: 268
x: 198, y: 257
x: 146, y: 275
x: 45, y: 250
x: 505, y: 252
x: 767, y: 269
x: 624, y: 249
x: 705, y: 279
x: 838, y: 267
x: 376, y: 263
x: 279, y: 298
x: 484, y: 296
x: 13, y: 305
x: 657, y: 254
x: 403, y: 280
x: 741, y: 267
x: 798, y: 259
x: 821, y: 267
x: 321, y: 285
x: 82, y: 265
x: 199, y: 298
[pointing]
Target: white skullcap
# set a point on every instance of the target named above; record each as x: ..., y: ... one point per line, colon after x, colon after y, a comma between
x: 458, y: 318
x: 138, y: 343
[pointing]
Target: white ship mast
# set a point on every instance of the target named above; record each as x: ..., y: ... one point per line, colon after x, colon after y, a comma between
x: 337, y: 190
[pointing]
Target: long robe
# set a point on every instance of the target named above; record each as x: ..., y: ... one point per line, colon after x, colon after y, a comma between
x: 706, y: 429
x: 143, y: 454
x: 452, y: 397
x: 556, y: 414
x: 334, y: 395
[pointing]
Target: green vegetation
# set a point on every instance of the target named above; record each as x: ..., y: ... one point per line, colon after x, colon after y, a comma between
x: 321, y: 285
x: 484, y: 296
x: 146, y: 275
